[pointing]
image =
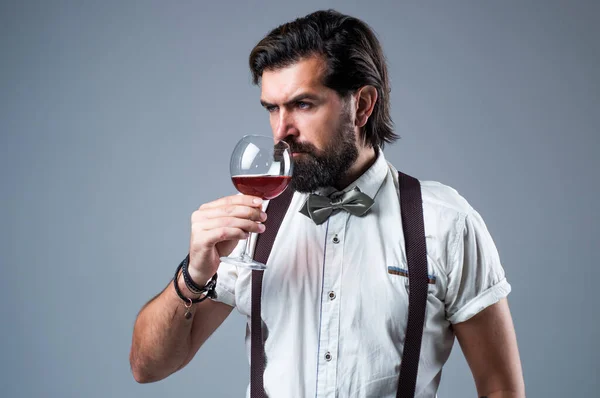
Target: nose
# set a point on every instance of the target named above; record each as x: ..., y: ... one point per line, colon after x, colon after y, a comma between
x: 284, y: 126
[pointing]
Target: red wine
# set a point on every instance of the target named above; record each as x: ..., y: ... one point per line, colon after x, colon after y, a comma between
x: 266, y: 187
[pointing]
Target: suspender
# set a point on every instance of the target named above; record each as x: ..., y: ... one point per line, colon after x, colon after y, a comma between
x: 275, y: 211
x: 411, y: 207
x: 411, y: 204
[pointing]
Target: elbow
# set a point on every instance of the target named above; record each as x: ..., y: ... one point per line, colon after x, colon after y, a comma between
x: 507, y: 388
x: 142, y: 377
x: 141, y: 372
x: 506, y: 394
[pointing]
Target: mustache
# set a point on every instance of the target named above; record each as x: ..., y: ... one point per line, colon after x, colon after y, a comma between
x: 300, y: 146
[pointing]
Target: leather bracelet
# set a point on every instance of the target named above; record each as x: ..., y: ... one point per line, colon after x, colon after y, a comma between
x: 189, y: 282
x: 209, y: 289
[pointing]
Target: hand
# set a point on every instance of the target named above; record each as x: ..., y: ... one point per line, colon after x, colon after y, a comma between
x: 217, y: 227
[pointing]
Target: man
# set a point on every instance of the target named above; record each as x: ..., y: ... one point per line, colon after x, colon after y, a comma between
x: 335, y: 294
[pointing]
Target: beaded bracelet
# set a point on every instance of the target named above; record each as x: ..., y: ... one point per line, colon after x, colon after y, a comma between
x: 209, y: 289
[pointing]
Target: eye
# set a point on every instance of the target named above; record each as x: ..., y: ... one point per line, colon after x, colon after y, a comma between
x: 303, y: 105
x: 271, y: 108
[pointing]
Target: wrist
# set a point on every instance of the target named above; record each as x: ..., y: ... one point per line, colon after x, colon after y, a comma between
x: 198, y: 277
x: 202, y: 292
x: 183, y: 288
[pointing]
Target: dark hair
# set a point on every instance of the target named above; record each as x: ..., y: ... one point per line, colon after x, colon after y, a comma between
x: 353, y: 55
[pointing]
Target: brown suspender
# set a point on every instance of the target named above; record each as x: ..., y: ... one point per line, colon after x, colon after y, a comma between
x: 275, y: 211
x: 411, y: 207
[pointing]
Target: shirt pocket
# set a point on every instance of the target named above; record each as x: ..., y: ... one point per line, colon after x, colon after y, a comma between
x: 401, y: 271
x: 398, y: 275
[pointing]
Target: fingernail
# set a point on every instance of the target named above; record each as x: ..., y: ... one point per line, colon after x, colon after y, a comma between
x: 261, y: 227
x: 257, y: 201
x: 263, y: 216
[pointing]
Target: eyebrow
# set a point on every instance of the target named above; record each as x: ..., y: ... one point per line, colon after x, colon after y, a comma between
x: 297, y: 98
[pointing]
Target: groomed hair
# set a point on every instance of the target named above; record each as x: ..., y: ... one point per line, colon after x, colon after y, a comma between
x: 353, y: 55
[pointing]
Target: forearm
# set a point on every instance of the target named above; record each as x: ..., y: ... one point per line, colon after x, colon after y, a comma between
x: 162, y: 336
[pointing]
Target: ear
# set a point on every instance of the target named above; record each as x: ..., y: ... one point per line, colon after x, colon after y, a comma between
x: 366, y: 97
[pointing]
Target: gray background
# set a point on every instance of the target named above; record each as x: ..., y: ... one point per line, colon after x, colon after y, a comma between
x: 118, y: 118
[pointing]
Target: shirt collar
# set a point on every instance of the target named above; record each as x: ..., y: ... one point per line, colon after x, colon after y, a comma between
x: 369, y: 182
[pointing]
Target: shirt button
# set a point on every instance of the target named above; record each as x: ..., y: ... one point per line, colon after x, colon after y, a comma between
x: 331, y: 295
x: 336, y: 239
x: 328, y: 356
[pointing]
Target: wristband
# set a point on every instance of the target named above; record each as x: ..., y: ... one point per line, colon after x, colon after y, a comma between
x: 209, y: 289
x: 189, y: 282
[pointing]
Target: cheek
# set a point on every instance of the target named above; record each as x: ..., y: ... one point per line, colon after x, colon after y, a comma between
x: 310, y: 130
x: 317, y: 127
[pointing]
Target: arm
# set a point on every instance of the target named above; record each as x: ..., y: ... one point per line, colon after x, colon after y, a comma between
x: 489, y: 343
x: 164, y: 341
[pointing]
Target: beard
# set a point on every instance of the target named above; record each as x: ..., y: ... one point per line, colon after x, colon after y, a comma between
x: 316, y: 169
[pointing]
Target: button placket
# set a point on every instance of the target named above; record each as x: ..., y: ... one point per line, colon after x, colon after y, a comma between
x: 330, y: 307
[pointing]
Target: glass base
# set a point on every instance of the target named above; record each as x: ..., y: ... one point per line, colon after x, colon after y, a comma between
x: 244, y: 261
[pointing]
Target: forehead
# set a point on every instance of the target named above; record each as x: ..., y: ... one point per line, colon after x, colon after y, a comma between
x: 306, y: 75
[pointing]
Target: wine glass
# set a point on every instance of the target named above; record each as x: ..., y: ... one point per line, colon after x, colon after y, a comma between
x: 262, y: 168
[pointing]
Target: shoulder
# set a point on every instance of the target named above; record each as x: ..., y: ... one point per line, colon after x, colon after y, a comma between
x: 440, y: 196
x: 437, y: 194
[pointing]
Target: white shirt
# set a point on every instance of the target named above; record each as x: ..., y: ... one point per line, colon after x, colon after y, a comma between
x: 335, y: 314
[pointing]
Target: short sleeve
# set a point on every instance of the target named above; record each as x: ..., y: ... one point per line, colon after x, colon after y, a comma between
x: 476, y: 278
x: 227, y: 277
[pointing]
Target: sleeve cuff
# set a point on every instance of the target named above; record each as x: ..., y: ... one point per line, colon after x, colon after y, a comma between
x: 485, y: 299
x: 224, y: 295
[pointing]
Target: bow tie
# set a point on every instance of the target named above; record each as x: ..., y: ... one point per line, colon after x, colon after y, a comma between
x: 318, y: 208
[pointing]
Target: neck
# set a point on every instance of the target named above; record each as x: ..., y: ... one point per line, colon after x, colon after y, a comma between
x: 366, y: 158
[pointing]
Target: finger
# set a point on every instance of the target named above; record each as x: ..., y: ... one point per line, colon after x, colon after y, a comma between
x: 214, y: 236
x: 248, y: 213
x: 231, y: 222
x: 244, y: 200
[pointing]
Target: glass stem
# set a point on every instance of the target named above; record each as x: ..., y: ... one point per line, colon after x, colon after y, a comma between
x: 247, y: 249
